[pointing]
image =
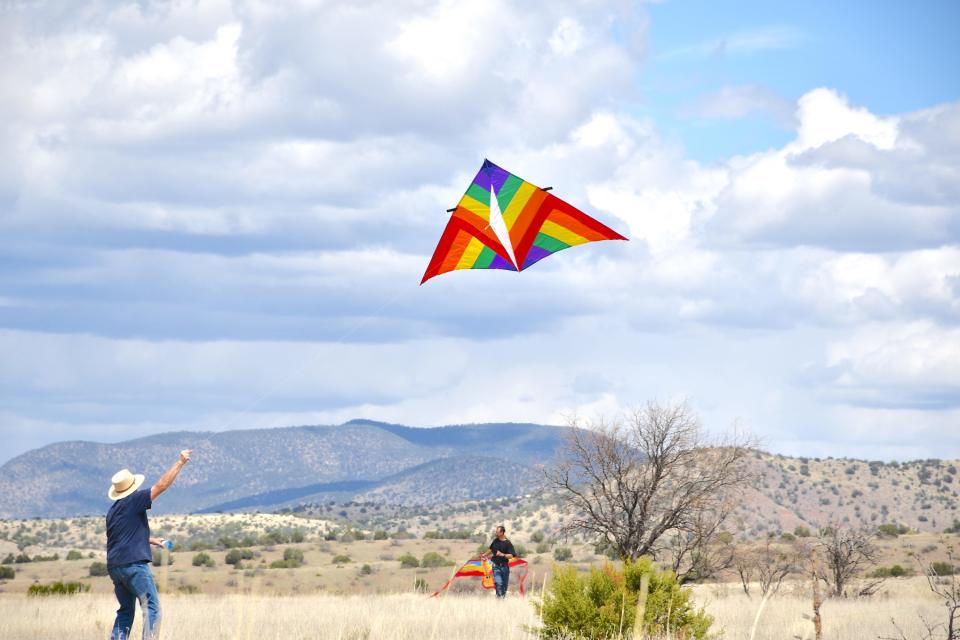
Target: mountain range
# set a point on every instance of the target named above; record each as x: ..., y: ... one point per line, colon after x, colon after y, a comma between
x: 428, y: 468
x: 267, y: 468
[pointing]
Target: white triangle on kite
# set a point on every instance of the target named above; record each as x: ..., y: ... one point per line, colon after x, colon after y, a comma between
x: 500, y: 227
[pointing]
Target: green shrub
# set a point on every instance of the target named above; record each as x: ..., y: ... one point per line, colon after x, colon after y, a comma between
x: 536, y: 537
x: 162, y: 557
x: 420, y: 585
x: 7, y: 573
x: 74, y: 555
x: 341, y: 559
x: 58, y: 589
x: 802, y: 532
x: 890, y: 530
x: 284, y: 564
x: 8, y: 559
x: 234, y: 556
x: 602, y: 604
x: 98, y: 569
x: 433, y: 559
x: 293, y: 555
x: 895, y: 571
x: 942, y: 568
x: 203, y: 559
x: 408, y: 561
x: 366, y: 570
x: 562, y: 554
x: 379, y: 534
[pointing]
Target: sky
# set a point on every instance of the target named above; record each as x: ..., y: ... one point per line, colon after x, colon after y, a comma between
x: 215, y: 215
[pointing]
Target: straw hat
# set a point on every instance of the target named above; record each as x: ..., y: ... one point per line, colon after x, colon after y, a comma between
x: 123, y: 483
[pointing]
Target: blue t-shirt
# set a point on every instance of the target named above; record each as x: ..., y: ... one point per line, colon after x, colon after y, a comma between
x: 128, y: 532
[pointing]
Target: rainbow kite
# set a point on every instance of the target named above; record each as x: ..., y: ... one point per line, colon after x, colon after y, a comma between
x: 537, y: 222
x: 480, y: 567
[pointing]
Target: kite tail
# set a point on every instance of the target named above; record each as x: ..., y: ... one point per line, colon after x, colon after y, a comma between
x: 443, y: 588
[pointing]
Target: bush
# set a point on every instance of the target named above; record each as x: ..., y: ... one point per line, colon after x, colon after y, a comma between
x: 408, y: 561
x: 293, y: 555
x: 341, y: 559
x: 562, y: 554
x: 7, y: 573
x: 802, y: 532
x: 366, y: 570
x: 98, y: 569
x: 602, y: 604
x: 160, y: 558
x: 74, y: 555
x: 433, y: 559
x: 58, y: 589
x: 234, y: 556
x: 292, y: 559
x: 942, y: 568
x: 203, y: 559
x: 8, y: 559
x: 896, y: 571
x: 379, y: 534
x: 536, y: 537
x: 892, y: 530
x: 420, y: 585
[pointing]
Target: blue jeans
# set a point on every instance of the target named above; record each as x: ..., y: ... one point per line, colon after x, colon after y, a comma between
x: 501, y: 578
x: 133, y: 582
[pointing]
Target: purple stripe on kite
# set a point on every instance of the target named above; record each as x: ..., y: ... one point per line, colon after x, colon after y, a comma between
x: 535, y: 255
x: 483, y: 177
x: 500, y: 263
x: 497, y: 177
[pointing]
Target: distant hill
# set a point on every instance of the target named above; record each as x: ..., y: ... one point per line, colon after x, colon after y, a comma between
x: 365, y: 461
x: 265, y: 468
x: 815, y: 492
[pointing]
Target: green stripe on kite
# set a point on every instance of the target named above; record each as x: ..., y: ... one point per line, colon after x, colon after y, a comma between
x: 549, y: 243
x: 484, y: 259
x: 479, y: 194
x: 507, y: 191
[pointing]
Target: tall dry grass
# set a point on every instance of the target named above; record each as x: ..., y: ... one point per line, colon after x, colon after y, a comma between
x: 253, y: 617
x: 787, y: 615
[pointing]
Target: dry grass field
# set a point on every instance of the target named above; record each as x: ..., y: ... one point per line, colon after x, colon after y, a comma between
x: 355, y: 589
x: 453, y: 617
x: 253, y: 617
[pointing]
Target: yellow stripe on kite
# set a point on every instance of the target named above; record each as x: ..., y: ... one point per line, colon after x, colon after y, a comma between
x: 517, y: 203
x: 473, y: 205
x: 470, y: 254
x: 562, y: 234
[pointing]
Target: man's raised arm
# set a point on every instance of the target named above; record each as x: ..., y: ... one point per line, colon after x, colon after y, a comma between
x: 167, y: 479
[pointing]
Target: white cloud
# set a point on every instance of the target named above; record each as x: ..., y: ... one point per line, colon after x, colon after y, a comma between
x: 198, y: 199
x: 734, y: 102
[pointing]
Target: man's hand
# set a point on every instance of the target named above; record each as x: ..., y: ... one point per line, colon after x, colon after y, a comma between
x: 167, y: 479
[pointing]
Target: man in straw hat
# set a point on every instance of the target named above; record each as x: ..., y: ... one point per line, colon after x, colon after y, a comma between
x: 128, y: 548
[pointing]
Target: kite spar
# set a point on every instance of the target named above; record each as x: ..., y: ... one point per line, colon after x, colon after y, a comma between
x: 538, y: 224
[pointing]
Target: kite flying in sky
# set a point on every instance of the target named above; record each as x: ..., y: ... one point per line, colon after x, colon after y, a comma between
x: 537, y: 223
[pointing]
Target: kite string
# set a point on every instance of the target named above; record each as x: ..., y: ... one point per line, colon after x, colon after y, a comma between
x: 359, y: 324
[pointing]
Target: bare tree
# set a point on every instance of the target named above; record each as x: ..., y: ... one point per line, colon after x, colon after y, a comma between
x: 702, y: 550
x: 633, y: 480
x: 943, y: 582
x: 768, y: 564
x: 845, y: 551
